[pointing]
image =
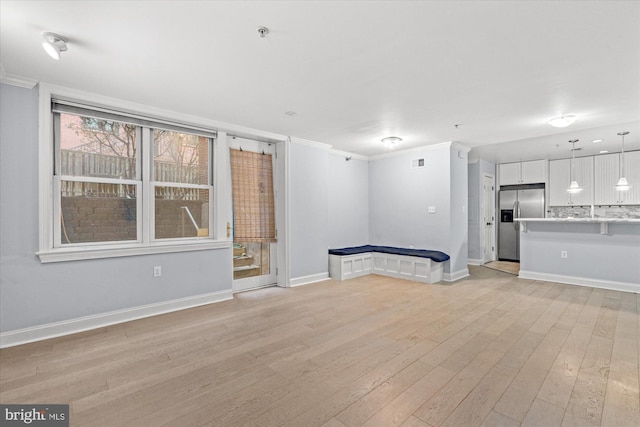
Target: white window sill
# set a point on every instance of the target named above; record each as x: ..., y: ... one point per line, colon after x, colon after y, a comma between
x: 97, y: 252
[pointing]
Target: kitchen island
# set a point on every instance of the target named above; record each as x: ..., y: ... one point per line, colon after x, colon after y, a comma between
x: 597, y: 252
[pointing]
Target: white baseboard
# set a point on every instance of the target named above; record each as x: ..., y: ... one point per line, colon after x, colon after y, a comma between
x: 80, y: 324
x: 581, y: 281
x: 475, y: 261
x: 456, y: 275
x: 306, y: 280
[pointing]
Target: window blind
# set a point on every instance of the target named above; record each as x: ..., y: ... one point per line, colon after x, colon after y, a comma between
x: 253, y: 198
x: 97, y: 112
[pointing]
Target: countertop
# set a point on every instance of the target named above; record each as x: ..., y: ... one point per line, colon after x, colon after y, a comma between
x: 582, y: 220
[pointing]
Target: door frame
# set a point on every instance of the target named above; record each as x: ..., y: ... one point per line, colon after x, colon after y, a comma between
x: 224, y: 209
x: 263, y: 280
x: 488, y: 179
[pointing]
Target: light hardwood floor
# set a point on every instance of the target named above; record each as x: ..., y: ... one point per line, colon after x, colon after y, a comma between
x: 490, y: 350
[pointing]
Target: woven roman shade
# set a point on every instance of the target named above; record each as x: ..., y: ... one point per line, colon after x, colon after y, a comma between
x: 253, y: 201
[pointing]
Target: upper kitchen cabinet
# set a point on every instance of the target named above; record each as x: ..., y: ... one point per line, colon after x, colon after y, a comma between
x: 607, y: 173
x: 560, y: 178
x: 532, y: 172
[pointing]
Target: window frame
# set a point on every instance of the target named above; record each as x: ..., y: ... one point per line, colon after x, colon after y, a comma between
x: 57, y: 198
x: 50, y: 248
x: 155, y: 183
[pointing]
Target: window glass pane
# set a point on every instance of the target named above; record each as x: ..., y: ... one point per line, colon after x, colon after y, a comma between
x: 97, y: 212
x: 181, y: 212
x: 97, y: 147
x: 180, y: 157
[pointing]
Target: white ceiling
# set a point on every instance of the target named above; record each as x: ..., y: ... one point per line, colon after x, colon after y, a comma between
x: 354, y: 72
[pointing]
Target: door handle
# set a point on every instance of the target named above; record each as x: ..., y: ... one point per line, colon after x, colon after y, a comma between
x: 516, y: 214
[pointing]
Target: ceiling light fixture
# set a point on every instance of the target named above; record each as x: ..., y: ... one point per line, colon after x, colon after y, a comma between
x: 391, y: 141
x: 53, y: 44
x: 562, y: 121
x: 263, y: 31
x: 574, y: 188
x: 622, y: 184
x: 595, y: 141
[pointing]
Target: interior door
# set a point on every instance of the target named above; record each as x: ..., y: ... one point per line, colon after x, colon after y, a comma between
x: 254, y: 255
x: 488, y: 217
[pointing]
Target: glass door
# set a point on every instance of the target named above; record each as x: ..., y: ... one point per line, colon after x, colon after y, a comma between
x: 254, y: 233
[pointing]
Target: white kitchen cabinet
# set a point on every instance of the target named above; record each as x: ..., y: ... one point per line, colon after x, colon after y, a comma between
x: 509, y: 173
x: 560, y: 178
x: 532, y: 172
x: 607, y: 173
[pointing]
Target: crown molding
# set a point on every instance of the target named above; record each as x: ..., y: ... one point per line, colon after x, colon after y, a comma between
x: 460, y: 147
x: 13, y: 80
x: 310, y: 143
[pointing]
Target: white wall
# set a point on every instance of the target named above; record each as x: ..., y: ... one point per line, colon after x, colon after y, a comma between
x: 348, y: 201
x: 308, y: 213
x: 34, y: 293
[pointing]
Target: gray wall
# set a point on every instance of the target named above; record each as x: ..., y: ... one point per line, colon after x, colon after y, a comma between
x: 473, y: 221
x: 612, y: 257
x: 309, y: 217
x: 458, y: 237
x: 399, y: 197
x: 348, y: 201
x: 35, y: 293
x: 476, y: 171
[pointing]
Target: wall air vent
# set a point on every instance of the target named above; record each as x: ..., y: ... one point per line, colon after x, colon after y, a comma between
x: 417, y: 163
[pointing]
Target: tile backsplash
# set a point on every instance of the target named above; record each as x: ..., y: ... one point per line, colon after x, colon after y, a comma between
x: 599, y: 211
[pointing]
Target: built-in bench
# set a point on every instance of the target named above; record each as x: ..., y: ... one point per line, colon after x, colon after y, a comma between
x: 414, y: 264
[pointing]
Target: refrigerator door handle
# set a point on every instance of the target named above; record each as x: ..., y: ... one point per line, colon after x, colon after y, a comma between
x: 516, y: 214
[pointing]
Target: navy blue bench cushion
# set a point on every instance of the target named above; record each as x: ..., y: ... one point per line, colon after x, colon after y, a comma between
x: 422, y: 253
x: 351, y: 251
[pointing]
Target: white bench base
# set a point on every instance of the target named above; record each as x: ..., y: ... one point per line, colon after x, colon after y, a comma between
x: 419, y: 269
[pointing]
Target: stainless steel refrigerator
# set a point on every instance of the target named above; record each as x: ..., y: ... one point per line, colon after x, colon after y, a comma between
x: 516, y: 202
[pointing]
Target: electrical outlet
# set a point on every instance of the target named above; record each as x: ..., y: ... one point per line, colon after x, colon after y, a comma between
x: 157, y: 271
x: 563, y: 254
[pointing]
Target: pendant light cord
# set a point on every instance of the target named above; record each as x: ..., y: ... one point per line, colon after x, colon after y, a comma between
x: 622, y: 158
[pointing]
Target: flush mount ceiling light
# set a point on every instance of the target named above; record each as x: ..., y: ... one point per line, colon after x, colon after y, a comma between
x: 53, y: 44
x: 574, y: 188
x: 622, y: 184
x: 391, y: 141
x: 562, y: 121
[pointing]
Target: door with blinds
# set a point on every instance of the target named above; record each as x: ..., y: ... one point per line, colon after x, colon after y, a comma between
x: 254, y: 230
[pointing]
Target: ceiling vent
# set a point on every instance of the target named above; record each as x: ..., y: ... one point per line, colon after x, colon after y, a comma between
x: 417, y: 163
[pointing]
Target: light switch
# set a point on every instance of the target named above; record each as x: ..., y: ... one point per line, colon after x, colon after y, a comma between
x: 432, y: 209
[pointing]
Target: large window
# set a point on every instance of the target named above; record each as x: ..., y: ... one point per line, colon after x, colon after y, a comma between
x: 122, y: 179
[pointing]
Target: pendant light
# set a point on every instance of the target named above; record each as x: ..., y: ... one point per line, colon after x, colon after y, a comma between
x: 622, y: 184
x: 574, y: 188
